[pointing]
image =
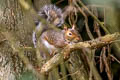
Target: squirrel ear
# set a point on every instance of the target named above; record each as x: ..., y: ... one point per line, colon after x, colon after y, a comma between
x: 73, y: 27
x: 65, y: 28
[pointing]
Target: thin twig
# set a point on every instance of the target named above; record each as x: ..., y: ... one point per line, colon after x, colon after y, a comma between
x: 115, y: 58
x: 86, y: 21
x: 69, y: 75
x: 106, y: 64
x: 101, y: 63
x: 96, y: 28
x: 101, y: 25
x: 58, y: 2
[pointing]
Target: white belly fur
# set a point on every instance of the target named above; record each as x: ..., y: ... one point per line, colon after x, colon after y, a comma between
x: 49, y: 46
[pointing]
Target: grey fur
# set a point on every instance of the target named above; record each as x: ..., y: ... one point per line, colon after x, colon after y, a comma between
x: 45, y: 13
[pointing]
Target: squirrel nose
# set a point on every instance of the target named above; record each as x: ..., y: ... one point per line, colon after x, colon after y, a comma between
x: 78, y: 39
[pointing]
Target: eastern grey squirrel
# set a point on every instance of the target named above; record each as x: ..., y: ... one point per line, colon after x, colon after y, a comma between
x: 51, y: 39
x: 52, y: 15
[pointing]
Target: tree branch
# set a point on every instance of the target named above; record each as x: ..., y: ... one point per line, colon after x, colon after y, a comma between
x: 92, y: 44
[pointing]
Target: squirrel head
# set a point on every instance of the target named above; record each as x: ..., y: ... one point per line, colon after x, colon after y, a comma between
x: 52, y: 14
x: 71, y: 34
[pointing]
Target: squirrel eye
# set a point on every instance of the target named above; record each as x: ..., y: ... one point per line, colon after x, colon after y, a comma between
x: 70, y: 33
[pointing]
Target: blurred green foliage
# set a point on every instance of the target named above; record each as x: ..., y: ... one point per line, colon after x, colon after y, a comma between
x: 27, y: 76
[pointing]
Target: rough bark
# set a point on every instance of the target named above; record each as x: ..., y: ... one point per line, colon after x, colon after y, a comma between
x: 13, y: 19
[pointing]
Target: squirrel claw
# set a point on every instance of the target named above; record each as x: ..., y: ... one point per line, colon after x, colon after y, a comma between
x: 66, y: 56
